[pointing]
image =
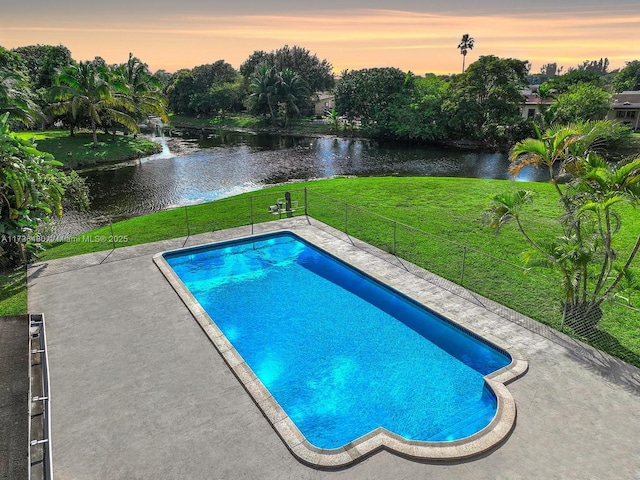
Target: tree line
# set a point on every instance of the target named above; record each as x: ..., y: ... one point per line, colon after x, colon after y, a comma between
x: 482, y: 105
x: 43, y: 85
x: 276, y: 85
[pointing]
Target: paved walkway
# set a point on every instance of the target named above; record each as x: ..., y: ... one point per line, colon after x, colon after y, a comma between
x: 139, y: 392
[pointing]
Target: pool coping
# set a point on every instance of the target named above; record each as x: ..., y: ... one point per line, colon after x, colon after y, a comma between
x: 379, y: 439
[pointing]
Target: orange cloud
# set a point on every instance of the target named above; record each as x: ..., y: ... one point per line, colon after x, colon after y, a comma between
x: 349, y: 39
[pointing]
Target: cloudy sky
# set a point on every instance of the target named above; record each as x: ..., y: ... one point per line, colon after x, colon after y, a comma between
x: 420, y: 36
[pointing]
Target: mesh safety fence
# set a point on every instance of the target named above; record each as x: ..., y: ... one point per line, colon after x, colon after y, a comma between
x: 530, y: 298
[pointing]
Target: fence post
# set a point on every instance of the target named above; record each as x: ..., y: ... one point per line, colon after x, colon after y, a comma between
x: 186, y: 214
x: 251, y: 212
x: 346, y: 218
x: 113, y: 237
x: 464, y: 258
x: 306, y: 213
x: 395, y: 228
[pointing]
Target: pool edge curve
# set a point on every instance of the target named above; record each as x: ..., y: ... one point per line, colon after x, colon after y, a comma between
x: 494, y: 434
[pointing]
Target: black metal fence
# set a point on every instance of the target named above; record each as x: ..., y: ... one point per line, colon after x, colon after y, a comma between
x: 528, y: 297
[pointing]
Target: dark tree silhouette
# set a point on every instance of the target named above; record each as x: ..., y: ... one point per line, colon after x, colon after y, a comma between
x: 466, y: 44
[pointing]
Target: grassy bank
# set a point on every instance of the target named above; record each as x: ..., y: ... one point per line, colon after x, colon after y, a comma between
x: 78, y: 151
x: 299, y: 126
x: 456, y: 245
x: 231, y: 121
x: 452, y: 208
x: 449, y: 208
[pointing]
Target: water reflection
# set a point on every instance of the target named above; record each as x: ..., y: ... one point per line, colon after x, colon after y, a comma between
x: 204, y: 166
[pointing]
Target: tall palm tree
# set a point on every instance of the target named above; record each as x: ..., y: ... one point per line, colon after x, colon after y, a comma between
x: 87, y: 88
x: 466, y: 43
x: 142, y: 88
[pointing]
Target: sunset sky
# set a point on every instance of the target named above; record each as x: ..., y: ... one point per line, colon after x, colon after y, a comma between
x: 420, y: 36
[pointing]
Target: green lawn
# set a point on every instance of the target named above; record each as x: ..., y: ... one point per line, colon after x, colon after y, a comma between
x: 451, y: 208
x: 456, y: 245
x: 298, y: 126
x: 78, y: 151
x: 13, y: 295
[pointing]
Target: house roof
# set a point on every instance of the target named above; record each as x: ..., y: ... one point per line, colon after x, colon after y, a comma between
x: 325, y: 95
x: 531, y: 96
x: 626, y: 100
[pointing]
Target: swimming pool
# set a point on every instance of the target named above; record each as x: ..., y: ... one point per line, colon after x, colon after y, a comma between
x: 343, y: 359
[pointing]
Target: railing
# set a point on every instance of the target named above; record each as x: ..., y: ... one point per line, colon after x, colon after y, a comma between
x: 40, y: 457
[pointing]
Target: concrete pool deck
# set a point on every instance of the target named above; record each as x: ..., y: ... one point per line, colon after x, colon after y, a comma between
x: 138, y: 390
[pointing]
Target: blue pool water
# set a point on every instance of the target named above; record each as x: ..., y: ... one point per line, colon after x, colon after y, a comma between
x: 341, y: 353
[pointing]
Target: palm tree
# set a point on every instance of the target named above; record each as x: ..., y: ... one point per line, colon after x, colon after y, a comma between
x: 590, y: 190
x: 292, y: 91
x: 87, y: 88
x: 604, y: 187
x: 142, y: 88
x: 550, y: 150
x: 466, y: 43
x: 269, y: 89
x: 263, y: 88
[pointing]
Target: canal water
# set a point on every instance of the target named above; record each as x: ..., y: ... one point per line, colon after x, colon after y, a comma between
x: 201, y: 168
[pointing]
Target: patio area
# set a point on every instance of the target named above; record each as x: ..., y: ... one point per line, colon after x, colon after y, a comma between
x: 138, y: 390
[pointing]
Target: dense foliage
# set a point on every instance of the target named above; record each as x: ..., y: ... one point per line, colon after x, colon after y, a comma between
x: 43, y: 62
x: 42, y: 85
x: 580, y: 102
x: 628, y: 78
x: 316, y: 73
x: 16, y: 96
x: 486, y: 101
x: 481, y: 106
x: 31, y: 192
x: 418, y: 115
x: 371, y: 96
x: 388, y: 103
x: 278, y: 94
x: 561, y: 84
x: 206, y: 89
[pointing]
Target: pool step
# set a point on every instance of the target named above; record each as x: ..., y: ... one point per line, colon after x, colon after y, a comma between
x: 472, y: 420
